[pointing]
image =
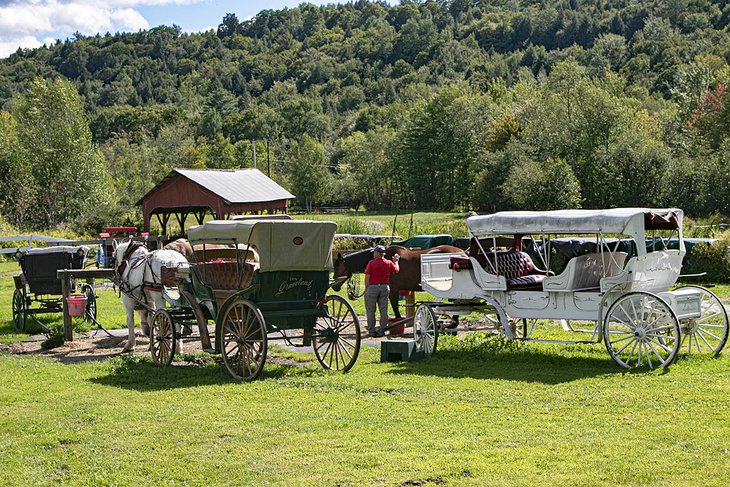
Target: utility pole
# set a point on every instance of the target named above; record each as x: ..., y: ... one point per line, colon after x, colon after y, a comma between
x: 268, y: 159
x: 254, y: 153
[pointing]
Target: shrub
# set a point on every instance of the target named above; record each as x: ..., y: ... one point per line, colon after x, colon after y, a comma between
x: 712, y: 259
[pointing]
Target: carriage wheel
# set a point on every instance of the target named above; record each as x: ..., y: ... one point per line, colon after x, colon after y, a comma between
x: 641, y: 329
x: 19, y: 310
x: 163, y: 338
x: 243, y: 340
x: 709, y: 332
x: 90, y: 313
x: 425, y: 331
x: 518, y: 327
x: 336, y: 340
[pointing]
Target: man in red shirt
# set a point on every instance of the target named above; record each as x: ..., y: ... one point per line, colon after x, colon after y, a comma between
x: 377, y: 288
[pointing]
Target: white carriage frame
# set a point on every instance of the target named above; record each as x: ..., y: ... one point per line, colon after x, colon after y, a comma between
x: 568, y: 296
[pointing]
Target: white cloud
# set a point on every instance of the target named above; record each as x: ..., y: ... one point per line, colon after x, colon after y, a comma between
x: 9, y: 46
x: 24, y: 22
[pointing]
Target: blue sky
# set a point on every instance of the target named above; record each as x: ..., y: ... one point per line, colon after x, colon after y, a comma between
x: 32, y: 23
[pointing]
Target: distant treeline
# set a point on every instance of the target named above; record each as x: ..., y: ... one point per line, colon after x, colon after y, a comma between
x: 447, y: 105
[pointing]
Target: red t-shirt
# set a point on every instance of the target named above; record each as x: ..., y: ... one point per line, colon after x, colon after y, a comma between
x: 380, y: 270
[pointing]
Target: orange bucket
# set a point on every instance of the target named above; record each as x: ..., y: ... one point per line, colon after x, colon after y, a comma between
x: 76, y: 304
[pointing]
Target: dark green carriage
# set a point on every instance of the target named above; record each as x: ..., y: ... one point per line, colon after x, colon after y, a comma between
x: 271, y: 283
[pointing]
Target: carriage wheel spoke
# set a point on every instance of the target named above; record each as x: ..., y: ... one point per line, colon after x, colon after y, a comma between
x: 658, y: 355
x: 648, y: 358
x: 705, y: 332
x: 345, y: 349
x: 697, y: 342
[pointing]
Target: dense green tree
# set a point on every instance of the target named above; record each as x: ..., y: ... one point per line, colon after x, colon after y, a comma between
x: 464, y: 86
x: 531, y: 185
x: 366, y: 170
x: 54, y: 140
x: 307, y: 172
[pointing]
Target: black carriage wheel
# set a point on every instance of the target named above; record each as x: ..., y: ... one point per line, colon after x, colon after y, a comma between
x: 707, y: 333
x: 336, y: 339
x: 163, y: 338
x: 640, y: 328
x: 19, y: 314
x: 243, y: 340
x: 425, y: 329
x: 90, y: 313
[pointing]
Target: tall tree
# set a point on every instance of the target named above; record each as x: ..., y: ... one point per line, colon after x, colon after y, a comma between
x: 306, y: 171
x: 55, y: 141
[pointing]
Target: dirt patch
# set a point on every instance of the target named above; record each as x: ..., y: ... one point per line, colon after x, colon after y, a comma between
x: 99, y: 346
x: 89, y: 347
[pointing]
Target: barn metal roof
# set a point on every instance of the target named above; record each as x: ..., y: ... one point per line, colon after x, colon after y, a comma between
x: 237, y: 185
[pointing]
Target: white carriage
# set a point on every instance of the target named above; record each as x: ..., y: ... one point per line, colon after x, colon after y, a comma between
x: 623, y: 286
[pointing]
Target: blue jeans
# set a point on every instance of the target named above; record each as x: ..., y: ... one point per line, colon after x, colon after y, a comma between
x: 377, y: 294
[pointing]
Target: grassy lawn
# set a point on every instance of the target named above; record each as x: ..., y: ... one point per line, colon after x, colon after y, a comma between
x: 494, y: 414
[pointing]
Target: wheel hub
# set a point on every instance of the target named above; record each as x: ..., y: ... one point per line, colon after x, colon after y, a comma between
x: 640, y: 332
x: 690, y: 326
x: 329, y: 335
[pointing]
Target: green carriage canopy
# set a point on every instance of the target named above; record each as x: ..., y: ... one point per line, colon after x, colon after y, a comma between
x: 283, y: 245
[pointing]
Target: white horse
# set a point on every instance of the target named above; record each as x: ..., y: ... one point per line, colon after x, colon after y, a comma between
x: 138, y: 271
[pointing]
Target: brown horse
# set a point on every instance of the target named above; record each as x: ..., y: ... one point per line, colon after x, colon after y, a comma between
x: 181, y: 246
x: 409, y: 277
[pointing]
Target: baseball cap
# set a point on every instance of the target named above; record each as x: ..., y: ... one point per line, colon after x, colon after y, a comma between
x: 379, y: 248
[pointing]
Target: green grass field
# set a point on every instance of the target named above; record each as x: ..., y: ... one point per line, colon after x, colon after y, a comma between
x: 485, y: 413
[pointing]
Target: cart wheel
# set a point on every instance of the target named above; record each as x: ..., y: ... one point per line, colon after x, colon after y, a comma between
x: 243, y: 340
x: 709, y: 332
x: 336, y: 339
x: 88, y: 291
x: 162, y: 338
x: 19, y: 314
x: 518, y: 326
x: 424, y: 329
x: 641, y: 328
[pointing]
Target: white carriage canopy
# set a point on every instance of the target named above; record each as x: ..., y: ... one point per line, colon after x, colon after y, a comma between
x: 283, y: 245
x: 617, y: 221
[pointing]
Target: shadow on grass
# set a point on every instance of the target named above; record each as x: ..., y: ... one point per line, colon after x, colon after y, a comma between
x: 521, y: 365
x: 140, y: 374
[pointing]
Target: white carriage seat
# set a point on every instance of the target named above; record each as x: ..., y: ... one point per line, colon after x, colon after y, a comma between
x: 586, y: 271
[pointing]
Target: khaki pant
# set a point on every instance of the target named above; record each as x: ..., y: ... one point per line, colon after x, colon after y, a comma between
x: 377, y: 294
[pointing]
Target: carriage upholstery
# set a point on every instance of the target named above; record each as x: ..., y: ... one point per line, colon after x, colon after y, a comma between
x: 223, y: 277
x: 586, y: 271
x: 517, y: 267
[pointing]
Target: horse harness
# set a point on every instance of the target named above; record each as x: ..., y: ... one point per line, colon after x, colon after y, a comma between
x: 127, y: 265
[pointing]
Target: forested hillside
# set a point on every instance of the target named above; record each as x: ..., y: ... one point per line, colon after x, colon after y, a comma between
x: 448, y: 105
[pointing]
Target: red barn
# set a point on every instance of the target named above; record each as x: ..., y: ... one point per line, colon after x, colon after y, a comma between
x: 220, y: 192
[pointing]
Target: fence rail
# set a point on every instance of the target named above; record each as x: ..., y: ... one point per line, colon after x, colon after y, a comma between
x: 54, y: 241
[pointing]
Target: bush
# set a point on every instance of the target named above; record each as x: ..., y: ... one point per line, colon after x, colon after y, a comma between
x: 712, y: 259
x: 54, y: 340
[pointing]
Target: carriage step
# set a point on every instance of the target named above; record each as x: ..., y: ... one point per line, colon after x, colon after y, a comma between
x: 399, y: 351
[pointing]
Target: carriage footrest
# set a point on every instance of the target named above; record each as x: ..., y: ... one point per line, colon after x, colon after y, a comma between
x: 399, y: 351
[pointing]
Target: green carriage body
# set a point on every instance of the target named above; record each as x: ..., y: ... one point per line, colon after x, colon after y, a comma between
x: 273, y: 274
